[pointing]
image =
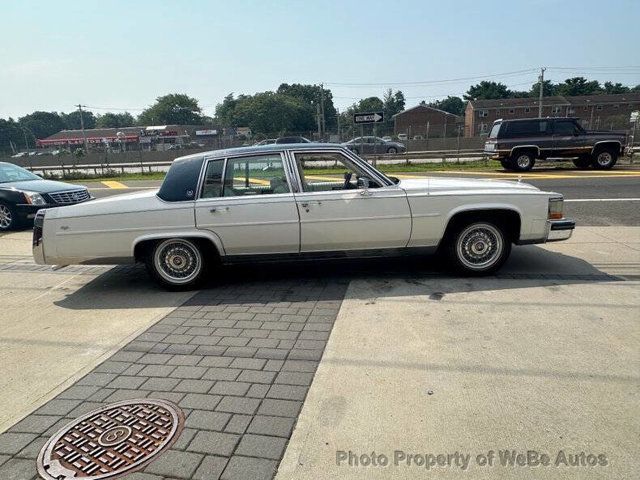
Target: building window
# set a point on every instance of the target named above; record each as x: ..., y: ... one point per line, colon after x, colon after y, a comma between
x: 483, y: 113
x: 570, y: 111
x: 482, y: 128
x: 527, y: 109
x: 556, y: 109
x: 598, y: 107
x: 616, y: 106
x: 512, y: 111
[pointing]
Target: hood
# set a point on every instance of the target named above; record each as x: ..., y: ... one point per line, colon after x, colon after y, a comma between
x: 446, y: 184
x: 42, y: 186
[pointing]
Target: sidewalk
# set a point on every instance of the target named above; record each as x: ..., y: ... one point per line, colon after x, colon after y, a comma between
x: 546, y: 362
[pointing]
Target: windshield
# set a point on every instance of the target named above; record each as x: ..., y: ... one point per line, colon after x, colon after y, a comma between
x: 13, y: 173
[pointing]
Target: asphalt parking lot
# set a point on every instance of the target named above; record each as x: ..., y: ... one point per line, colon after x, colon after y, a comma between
x: 305, y: 368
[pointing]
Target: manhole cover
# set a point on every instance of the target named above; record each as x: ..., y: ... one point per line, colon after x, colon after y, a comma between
x: 112, y: 441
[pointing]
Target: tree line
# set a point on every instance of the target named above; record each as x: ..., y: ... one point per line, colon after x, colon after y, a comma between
x: 291, y: 108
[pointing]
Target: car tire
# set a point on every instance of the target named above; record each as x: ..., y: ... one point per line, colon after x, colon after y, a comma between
x: 523, y: 161
x: 478, y: 247
x: 177, y: 263
x: 392, y: 150
x: 8, y: 217
x: 583, y: 163
x: 604, y: 159
x: 506, y: 163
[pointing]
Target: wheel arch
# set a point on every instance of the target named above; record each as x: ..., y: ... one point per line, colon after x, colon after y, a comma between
x: 528, y: 148
x: 141, y: 243
x: 508, y: 215
x: 607, y: 143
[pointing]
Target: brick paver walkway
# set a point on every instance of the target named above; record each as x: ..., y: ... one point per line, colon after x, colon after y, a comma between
x: 237, y: 359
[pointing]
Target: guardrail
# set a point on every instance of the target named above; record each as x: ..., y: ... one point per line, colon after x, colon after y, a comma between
x: 408, y: 158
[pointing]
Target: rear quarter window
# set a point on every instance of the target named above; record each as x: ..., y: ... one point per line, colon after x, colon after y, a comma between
x: 532, y: 128
x: 494, y: 130
x: 181, y: 181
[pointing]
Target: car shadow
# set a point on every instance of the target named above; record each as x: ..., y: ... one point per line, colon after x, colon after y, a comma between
x: 528, y: 266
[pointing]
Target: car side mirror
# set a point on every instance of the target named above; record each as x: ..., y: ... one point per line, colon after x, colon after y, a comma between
x: 363, y: 183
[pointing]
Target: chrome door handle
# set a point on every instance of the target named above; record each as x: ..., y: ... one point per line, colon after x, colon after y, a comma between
x: 213, y: 210
x: 304, y: 205
x: 365, y: 193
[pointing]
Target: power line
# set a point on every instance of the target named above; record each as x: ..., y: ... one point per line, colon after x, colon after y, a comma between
x: 432, y: 82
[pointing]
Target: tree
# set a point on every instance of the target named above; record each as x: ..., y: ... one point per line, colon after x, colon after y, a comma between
x: 636, y: 88
x: 43, y: 124
x: 392, y: 103
x: 578, y: 86
x: 172, y: 109
x: 115, y: 120
x: 610, y: 87
x: 72, y: 120
x: 12, y: 134
x: 486, y: 90
x: 450, y: 104
x: 548, y: 89
x: 312, y: 96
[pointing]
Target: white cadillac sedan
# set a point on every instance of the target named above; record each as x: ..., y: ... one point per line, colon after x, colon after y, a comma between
x: 283, y: 202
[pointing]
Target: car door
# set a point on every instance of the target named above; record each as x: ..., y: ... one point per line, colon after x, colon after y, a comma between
x: 336, y: 215
x: 247, y: 201
x: 566, y: 138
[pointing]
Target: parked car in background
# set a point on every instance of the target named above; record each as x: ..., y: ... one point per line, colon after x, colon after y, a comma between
x: 268, y: 203
x: 519, y: 143
x: 368, y: 145
x: 23, y: 193
x: 292, y: 139
x: 266, y: 141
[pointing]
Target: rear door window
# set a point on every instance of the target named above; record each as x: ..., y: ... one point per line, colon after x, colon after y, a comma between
x: 564, y: 128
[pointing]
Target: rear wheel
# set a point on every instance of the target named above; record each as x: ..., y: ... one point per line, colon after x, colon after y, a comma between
x: 583, y: 163
x: 523, y: 161
x: 392, y: 150
x: 478, y: 248
x: 177, y: 263
x: 506, y: 163
x: 605, y: 158
x: 8, y: 217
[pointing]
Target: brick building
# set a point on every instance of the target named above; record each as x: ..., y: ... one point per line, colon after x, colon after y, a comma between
x: 158, y: 137
x: 607, y: 112
x: 422, y: 121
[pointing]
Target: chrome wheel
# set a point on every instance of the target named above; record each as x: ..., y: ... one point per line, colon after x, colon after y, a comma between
x: 523, y: 161
x: 6, y: 217
x: 177, y: 261
x: 479, y: 246
x: 604, y: 159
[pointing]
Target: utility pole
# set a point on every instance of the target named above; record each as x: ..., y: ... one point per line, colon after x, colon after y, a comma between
x: 540, y: 94
x: 84, y: 135
x: 324, y: 124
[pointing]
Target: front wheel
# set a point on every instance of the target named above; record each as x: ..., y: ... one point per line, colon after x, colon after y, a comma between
x: 478, y: 248
x: 7, y: 217
x: 177, y: 264
x: 392, y: 150
x: 605, y: 159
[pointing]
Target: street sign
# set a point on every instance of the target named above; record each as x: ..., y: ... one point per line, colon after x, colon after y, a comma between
x: 372, y: 117
x: 634, y: 116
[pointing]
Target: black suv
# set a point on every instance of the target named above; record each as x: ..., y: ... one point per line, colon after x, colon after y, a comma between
x: 518, y: 143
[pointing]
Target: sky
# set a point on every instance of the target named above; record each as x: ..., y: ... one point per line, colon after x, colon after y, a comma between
x: 122, y: 55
